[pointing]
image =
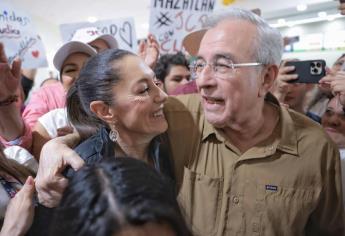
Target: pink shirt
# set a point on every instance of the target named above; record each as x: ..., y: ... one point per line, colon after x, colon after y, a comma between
x: 45, y: 99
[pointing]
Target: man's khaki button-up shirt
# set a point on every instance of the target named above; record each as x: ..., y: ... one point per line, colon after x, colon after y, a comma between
x: 290, y: 184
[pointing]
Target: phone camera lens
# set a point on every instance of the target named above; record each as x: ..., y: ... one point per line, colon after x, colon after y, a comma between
x: 318, y: 64
x: 313, y: 65
x: 315, y: 70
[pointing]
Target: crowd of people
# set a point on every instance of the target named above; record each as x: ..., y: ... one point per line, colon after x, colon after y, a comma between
x: 214, y: 141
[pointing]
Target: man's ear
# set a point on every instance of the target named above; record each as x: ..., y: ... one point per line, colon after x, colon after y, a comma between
x: 102, y: 111
x: 269, y: 74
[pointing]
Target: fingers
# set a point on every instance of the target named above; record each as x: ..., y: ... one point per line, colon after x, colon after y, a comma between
x: 286, y: 69
x: 284, y: 73
x: 3, y: 57
x: 142, y: 46
x: 288, y: 77
x: 29, y: 188
x: 64, y: 131
x: 74, y: 160
x: 16, y: 66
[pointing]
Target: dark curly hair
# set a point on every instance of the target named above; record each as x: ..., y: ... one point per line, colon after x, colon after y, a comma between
x: 165, y: 62
x: 118, y: 192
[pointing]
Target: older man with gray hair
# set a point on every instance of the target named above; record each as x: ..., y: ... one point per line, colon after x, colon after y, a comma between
x: 244, y: 165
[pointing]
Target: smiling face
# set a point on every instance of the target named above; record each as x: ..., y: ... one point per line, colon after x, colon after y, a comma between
x: 333, y: 121
x: 231, y: 99
x: 71, y: 68
x: 139, y: 102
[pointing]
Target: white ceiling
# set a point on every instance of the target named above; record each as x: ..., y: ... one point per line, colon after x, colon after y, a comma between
x: 67, y: 11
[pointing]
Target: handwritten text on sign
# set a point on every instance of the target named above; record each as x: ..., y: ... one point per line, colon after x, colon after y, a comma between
x: 172, y: 20
x: 20, y: 38
x: 122, y: 29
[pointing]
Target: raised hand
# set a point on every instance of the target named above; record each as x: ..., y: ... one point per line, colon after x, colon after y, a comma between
x: 9, y: 75
x: 149, y: 51
x: 281, y: 86
x: 336, y: 83
x: 20, y: 211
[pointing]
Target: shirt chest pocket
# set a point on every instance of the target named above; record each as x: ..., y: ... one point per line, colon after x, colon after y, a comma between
x: 281, y: 207
x: 200, y: 198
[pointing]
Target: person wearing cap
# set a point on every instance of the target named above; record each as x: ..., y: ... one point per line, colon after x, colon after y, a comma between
x: 18, y: 128
x: 97, y: 40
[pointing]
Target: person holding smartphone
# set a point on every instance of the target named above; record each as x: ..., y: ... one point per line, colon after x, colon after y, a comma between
x: 335, y: 80
x: 292, y: 95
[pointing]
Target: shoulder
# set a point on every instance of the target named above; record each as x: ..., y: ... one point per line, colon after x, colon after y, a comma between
x: 184, y: 103
x: 91, y: 146
x: 49, y: 90
x: 312, y: 140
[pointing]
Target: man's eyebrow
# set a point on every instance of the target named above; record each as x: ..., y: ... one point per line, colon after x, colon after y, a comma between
x: 227, y: 56
x: 218, y: 56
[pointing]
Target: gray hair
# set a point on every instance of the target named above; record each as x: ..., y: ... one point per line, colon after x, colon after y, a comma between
x: 269, y: 43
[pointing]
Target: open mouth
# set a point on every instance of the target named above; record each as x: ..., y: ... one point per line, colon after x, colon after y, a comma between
x: 212, y: 100
x: 158, y: 113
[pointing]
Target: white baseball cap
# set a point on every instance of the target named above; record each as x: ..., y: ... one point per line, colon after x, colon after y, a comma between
x: 71, y: 47
x: 87, y: 35
x: 191, y: 42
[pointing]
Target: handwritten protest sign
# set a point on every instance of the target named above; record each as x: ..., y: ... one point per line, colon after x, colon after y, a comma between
x: 171, y: 20
x: 19, y: 37
x: 122, y: 29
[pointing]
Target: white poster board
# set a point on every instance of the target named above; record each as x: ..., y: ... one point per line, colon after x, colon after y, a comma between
x: 20, y: 38
x: 122, y: 29
x: 172, y: 20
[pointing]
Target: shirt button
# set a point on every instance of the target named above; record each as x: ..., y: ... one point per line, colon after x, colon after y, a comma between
x: 235, y: 200
x: 255, y: 227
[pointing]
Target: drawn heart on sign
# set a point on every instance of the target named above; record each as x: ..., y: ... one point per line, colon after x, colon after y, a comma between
x: 126, y: 33
x: 35, y: 53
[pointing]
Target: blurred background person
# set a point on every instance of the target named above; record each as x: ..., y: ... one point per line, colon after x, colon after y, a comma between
x: 293, y: 95
x: 173, y: 71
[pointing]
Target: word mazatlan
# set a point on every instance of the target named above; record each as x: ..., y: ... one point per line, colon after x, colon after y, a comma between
x: 196, y: 5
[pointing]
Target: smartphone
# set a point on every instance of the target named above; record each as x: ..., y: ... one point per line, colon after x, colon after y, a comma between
x: 310, y: 71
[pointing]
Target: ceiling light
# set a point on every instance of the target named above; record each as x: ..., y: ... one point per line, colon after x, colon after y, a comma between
x: 322, y: 14
x: 290, y: 24
x: 281, y: 21
x: 301, y: 7
x: 309, y: 20
x: 92, y: 19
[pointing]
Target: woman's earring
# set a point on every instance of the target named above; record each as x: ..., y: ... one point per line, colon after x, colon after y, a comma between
x: 113, y: 134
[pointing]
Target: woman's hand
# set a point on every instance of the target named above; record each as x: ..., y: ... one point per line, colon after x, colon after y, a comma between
x: 336, y: 83
x: 20, y: 211
x: 9, y: 75
x: 281, y: 86
x: 56, y: 155
x: 149, y: 51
